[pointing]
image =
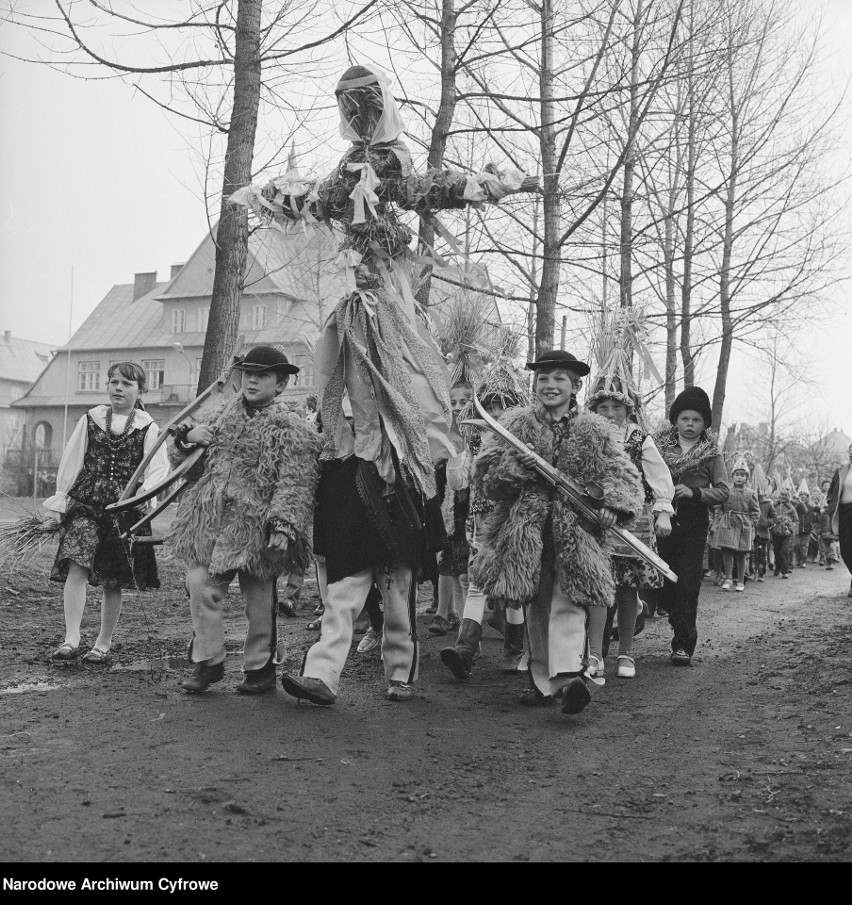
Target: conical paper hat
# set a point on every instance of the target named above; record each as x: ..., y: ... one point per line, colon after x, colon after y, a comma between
x: 803, y: 488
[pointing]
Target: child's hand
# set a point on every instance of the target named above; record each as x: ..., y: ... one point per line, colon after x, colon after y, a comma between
x: 200, y: 435
x: 278, y: 541
x: 682, y: 492
x: 663, y: 525
x: 608, y: 517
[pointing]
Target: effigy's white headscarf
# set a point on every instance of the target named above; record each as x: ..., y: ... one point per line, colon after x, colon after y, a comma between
x: 390, y: 125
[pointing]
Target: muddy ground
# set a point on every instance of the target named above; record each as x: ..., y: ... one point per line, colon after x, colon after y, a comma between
x: 746, y: 756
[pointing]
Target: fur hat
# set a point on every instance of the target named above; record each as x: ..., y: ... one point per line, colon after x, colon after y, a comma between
x: 694, y: 399
x: 266, y: 358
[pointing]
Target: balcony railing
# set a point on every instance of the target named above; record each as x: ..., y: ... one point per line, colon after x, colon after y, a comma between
x: 25, y: 458
x: 171, y: 394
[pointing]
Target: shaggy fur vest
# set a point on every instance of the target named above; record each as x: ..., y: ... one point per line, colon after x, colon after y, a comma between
x: 528, y: 512
x: 261, y: 468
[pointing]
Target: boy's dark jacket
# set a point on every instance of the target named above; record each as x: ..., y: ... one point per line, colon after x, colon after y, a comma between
x: 508, y: 566
x: 260, y: 473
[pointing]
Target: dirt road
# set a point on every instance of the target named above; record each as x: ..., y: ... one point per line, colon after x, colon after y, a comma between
x: 746, y: 756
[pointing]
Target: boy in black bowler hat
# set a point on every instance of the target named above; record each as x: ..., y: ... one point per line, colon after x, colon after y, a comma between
x: 536, y: 551
x: 249, y: 515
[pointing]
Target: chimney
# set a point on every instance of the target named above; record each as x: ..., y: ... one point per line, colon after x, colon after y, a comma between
x: 7, y: 335
x: 176, y: 269
x: 143, y: 283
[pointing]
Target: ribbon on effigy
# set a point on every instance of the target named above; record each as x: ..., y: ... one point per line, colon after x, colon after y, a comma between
x: 347, y: 260
x: 364, y: 196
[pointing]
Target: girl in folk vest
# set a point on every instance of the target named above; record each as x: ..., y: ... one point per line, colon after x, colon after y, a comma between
x: 105, y: 449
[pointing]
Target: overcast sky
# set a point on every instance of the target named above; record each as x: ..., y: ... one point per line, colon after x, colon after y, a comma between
x: 99, y: 179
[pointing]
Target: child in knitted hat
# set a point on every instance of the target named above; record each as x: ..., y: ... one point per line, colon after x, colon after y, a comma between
x: 689, y: 449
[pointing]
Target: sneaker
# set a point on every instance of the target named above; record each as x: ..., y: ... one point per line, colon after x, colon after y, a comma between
x: 371, y: 640
x: 680, y: 657
x: 308, y: 689
x: 739, y: 586
x: 785, y: 575
x: 439, y: 626
x: 626, y: 667
x: 828, y: 568
x: 400, y: 691
x: 597, y: 666
x: 760, y: 578
x: 726, y: 584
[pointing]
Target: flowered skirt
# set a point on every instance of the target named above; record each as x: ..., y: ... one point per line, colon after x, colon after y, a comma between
x: 631, y: 571
x: 89, y: 536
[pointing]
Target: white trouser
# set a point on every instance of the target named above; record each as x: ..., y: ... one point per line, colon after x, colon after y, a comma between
x: 344, y: 601
x: 556, y: 629
x: 206, y: 593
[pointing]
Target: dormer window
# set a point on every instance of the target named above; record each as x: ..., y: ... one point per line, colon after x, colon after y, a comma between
x: 203, y: 316
x: 178, y: 320
x: 258, y: 317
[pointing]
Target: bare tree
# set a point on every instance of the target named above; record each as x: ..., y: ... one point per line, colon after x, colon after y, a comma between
x: 213, y: 57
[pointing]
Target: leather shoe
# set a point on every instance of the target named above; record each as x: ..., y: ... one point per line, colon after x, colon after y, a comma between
x: 574, y: 696
x: 203, y: 676
x: 257, y: 681
x: 308, y: 689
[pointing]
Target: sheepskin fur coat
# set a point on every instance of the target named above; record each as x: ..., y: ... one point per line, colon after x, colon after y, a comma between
x: 529, y: 512
x: 260, y: 473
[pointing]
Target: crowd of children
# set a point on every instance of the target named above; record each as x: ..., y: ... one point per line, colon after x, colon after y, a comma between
x: 267, y: 502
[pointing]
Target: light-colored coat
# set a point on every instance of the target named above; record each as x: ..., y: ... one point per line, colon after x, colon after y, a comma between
x: 834, y: 493
x: 508, y: 565
x: 260, y: 472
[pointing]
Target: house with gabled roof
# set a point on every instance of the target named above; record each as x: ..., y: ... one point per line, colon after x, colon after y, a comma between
x: 292, y: 283
x: 21, y: 361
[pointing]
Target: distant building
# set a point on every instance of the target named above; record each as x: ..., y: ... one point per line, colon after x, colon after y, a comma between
x: 21, y: 362
x: 291, y: 284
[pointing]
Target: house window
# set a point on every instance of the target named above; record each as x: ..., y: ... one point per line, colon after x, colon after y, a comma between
x: 203, y: 316
x: 155, y: 372
x: 305, y: 363
x: 42, y: 435
x: 178, y: 320
x: 88, y: 376
x: 258, y: 317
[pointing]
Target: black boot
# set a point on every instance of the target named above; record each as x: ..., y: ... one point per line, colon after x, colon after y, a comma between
x: 513, y: 647
x: 459, y: 658
x: 257, y: 681
x: 203, y: 676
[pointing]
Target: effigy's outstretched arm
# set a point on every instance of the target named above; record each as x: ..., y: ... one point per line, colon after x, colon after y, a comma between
x: 450, y: 189
x: 285, y: 200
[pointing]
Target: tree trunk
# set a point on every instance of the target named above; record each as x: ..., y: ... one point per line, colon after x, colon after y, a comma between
x: 686, y: 354
x: 626, y: 273
x: 440, y: 131
x: 727, y: 252
x: 232, y: 232
x: 671, y: 306
x: 552, y: 204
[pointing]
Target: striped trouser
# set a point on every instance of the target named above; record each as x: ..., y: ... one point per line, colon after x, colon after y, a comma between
x: 344, y: 600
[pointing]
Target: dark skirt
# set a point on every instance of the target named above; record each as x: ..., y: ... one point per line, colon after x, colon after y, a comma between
x: 89, y: 537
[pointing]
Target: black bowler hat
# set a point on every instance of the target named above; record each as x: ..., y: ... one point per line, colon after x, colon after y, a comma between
x: 265, y: 358
x: 559, y: 358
